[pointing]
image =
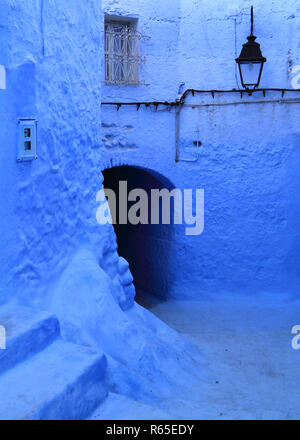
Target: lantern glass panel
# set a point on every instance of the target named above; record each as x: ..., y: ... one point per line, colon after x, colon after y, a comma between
x: 250, y: 73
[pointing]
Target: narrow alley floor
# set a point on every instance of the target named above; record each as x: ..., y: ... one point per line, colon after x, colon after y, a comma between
x: 246, y: 343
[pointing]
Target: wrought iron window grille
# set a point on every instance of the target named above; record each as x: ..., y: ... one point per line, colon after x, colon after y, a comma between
x: 124, y: 60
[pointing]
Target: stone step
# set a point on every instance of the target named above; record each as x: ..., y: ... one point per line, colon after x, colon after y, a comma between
x: 27, y: 332
x: 63, y: 382
x: 119, y: 407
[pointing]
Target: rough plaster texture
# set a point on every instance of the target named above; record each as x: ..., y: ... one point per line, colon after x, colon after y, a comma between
x: 51, y: 53
x: 147, y: 360
x: 249, y: 157
x: 251, y: 182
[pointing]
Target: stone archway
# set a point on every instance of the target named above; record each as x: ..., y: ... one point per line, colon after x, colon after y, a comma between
x: 147, y: 247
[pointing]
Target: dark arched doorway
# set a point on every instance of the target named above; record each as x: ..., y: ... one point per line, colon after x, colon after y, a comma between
x: 147, y: 247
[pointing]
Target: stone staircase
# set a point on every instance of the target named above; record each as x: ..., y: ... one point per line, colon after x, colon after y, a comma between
x: 41, y: 375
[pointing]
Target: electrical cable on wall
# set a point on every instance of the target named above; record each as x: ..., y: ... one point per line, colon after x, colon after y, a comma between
x: 212, y: 92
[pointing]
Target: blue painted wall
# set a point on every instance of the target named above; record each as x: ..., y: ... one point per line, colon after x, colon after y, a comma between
x: 249, y: 160
x: 248, y: 163
x: 53, y: 53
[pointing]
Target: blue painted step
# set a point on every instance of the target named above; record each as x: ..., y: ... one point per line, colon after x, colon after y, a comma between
x: 119, y: 407
x: 63, y: 382
x: 41, y: 375
x: 27, y: 332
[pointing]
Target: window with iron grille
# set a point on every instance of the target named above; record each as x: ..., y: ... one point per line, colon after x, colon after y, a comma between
x: 122, y: 52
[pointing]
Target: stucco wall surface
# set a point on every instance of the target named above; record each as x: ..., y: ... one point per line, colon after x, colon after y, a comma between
x: 52, y: 52
x: 249, y: 158
x: 247, y: 164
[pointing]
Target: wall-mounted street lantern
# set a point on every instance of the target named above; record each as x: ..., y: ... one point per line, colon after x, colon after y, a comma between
x: 251, y: 61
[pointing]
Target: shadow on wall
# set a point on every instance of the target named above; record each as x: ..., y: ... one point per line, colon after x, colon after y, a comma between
x: 146, y: 247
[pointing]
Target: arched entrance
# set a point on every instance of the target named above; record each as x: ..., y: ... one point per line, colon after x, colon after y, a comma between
x: 147, y: 247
